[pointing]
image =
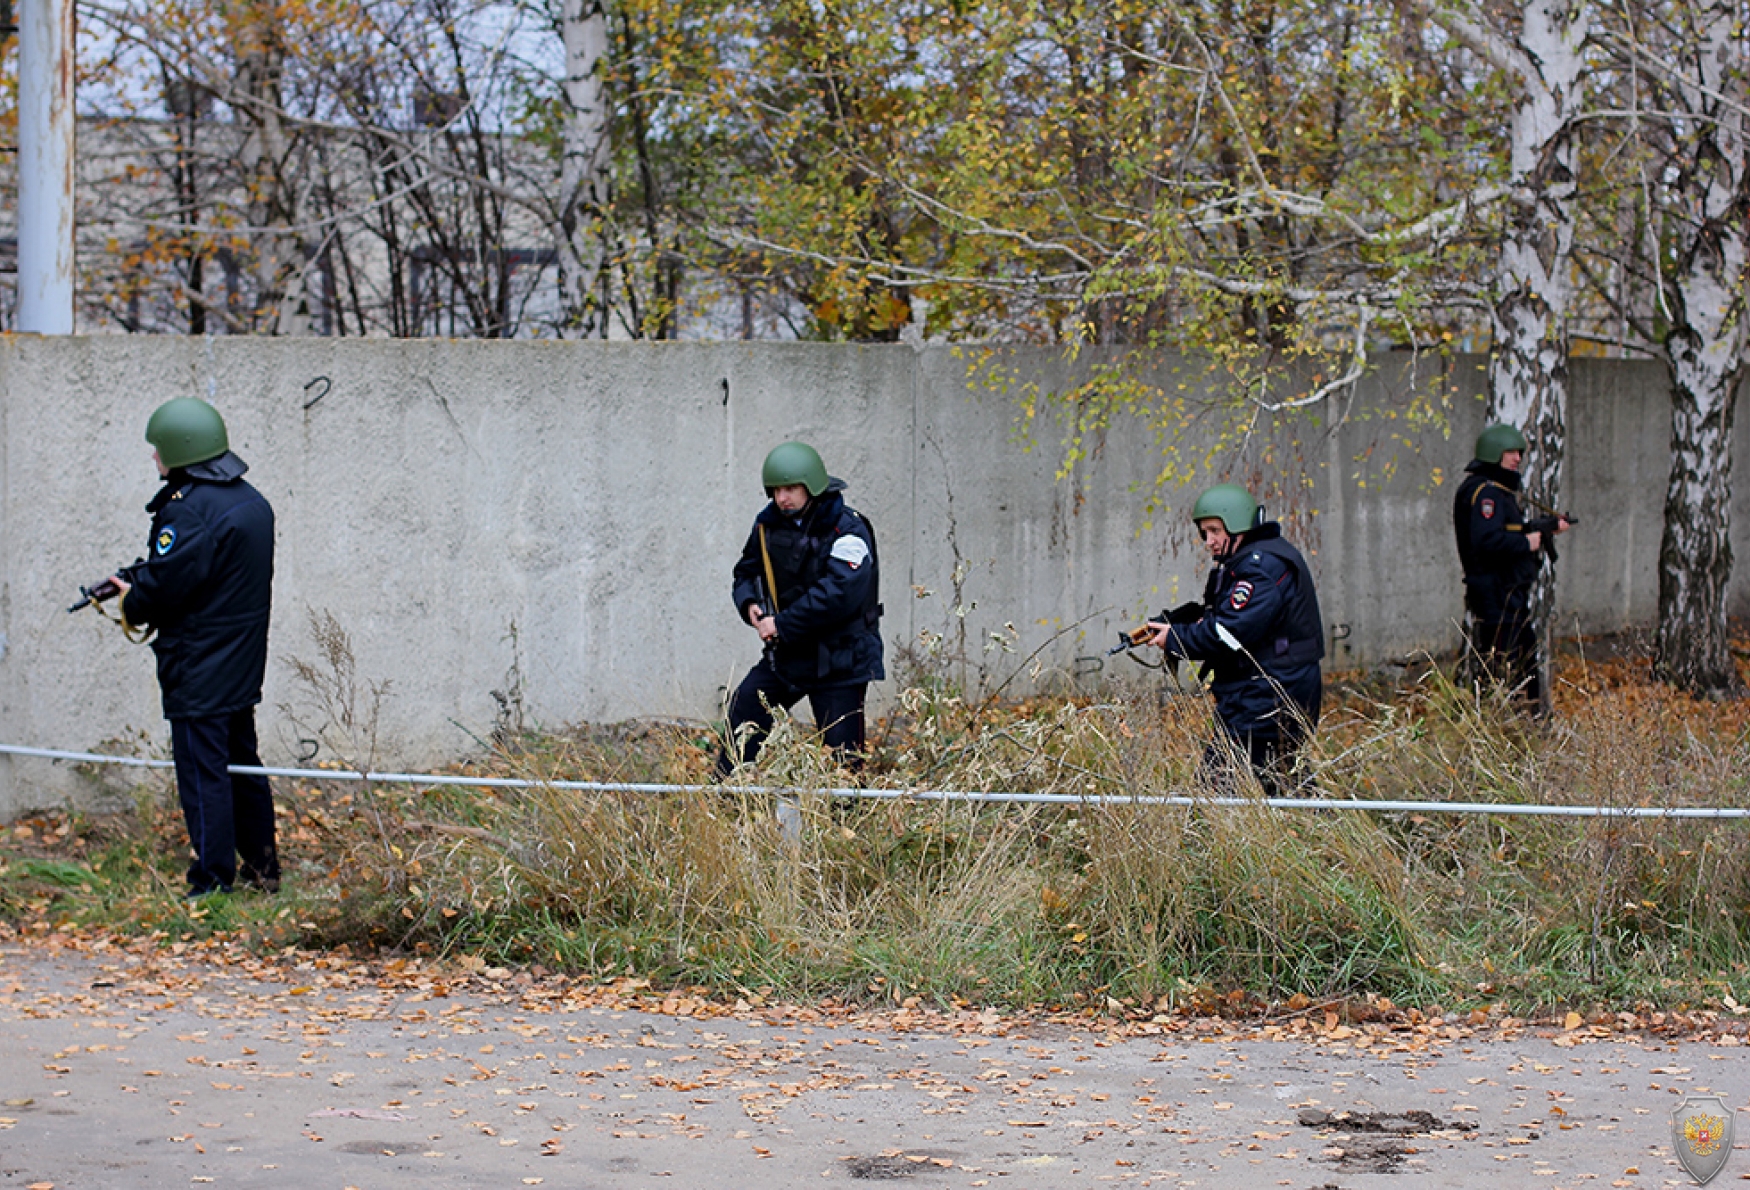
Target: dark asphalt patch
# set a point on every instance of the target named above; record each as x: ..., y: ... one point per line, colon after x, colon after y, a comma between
x: 1373, y: 1142
x: 1400, y: 1123
x: 881, y: 1169
x: 381, y: 1148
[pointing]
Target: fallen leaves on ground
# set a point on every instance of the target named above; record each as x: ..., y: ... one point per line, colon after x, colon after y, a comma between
x: 165, y: 972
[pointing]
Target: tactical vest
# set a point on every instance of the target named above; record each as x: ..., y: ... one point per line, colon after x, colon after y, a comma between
x: 799, y: 559
x: 1300, y: 637
x: 1478, y: 486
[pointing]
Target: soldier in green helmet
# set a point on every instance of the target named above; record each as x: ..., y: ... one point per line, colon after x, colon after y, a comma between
x: 206, y: 587
x: 808, y: 582
x: 1260, y: 637
x: 1501, y: 551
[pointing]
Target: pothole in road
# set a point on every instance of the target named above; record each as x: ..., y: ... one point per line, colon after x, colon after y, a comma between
x: 1374, y: 1142
x: 881, y: 1169
x: 381, y: 1148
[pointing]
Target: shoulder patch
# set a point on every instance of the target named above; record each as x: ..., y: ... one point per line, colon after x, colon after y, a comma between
x: 852, y: 551
x: 1487, y: 508
x: 166, y: 539
x: 1240, y: 595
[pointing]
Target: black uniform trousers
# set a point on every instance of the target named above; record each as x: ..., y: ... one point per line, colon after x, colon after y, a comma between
x: 838, y: 713
x: 1502, y: 634
x: 1270, y: 757
x: 229, y: 817
x: 1268, y: 742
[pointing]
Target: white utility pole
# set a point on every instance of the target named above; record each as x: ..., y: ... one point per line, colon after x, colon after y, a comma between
x: 45, y: 166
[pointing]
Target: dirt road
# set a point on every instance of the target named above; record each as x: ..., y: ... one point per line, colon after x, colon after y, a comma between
x: 127, y: 1067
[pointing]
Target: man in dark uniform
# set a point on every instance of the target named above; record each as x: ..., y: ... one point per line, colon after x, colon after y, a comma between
x: 1500, y: 555
x: 1261, y: 637
x: 205, y: 585
x: 808, y: 582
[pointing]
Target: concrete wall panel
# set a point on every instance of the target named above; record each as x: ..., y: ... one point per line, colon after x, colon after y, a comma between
x: 559, y: 519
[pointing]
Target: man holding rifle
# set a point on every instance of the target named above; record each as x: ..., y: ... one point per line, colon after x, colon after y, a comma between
x: 1501, y: 552
x: 206, y: 587
x: 808, y: 582
x: 1260, y: 637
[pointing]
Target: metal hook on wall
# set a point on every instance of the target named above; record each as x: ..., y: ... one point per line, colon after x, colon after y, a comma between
x: 326, y: 384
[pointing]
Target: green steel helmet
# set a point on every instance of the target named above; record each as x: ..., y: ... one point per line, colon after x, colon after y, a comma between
x: 1497, y: 440
x: 1229, y: 503
x: 794, y: 462
x: 186, y: 431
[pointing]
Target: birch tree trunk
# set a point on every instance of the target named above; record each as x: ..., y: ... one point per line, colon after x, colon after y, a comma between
x: 584, y: 169
x: 266, y: 161
x: 1528, y: 366
x: 1708, y: 215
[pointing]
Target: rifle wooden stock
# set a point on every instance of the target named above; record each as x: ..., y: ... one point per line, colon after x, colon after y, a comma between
x: 1185, y: 613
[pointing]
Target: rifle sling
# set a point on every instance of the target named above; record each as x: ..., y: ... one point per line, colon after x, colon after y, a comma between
x: 771, y: 582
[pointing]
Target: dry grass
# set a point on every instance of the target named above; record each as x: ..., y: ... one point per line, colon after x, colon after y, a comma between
x: 1062, y: 903
x: 1142, y: 902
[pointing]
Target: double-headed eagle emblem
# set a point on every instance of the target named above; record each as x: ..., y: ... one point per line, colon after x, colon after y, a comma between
x: 1701, y: 1135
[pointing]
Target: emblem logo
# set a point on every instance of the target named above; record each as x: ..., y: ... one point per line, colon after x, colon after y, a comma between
x: 1488, y: 510
x: 166, y: 539
x: 1242, y: 595
x: 1701, y: 1135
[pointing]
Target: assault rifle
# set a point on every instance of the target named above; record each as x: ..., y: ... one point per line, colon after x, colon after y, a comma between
x: 96, y: 593
x: 1546, y: 525
x: 1185, y: 613
x: 765, y: 600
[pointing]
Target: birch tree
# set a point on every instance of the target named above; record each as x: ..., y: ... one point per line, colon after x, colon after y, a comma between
x: 1688, y: 62
x: 584, y: 197
x: 270, y: 157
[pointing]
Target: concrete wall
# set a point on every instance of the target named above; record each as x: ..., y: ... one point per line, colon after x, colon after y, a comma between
x: 572, y: 510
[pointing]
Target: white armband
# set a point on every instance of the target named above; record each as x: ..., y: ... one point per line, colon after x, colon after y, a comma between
x: 852, y: 551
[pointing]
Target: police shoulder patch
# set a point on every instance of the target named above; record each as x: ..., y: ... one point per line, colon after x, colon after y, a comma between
x: 1487, y: 508
x: 166, y: 539
x: 1240, y: 595
x: 852, y: 551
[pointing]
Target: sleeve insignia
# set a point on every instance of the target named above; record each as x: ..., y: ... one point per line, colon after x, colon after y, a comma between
x: 1488, y: 510
x: 166, y: 539
x: 851, y: 551
x: 1240, y: 595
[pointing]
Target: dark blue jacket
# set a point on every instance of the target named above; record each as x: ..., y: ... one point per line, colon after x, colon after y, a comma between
x: 1499, y: 563
x: 1261, y: 635
x: 206, y: 585
x: 828, y: 577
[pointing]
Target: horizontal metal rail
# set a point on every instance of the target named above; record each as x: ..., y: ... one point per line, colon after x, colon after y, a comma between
x: 1521, y: 809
